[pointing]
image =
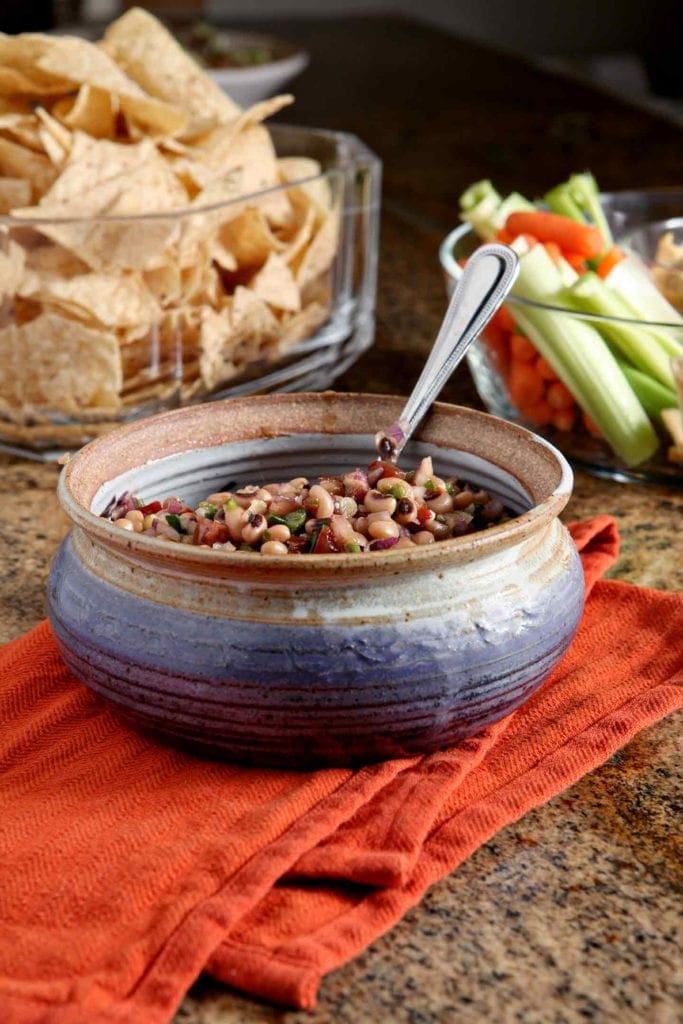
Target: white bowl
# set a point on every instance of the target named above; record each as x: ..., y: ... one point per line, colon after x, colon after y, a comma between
x: 247, y: 85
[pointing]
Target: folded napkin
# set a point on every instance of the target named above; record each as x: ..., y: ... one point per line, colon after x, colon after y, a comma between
x: 127, y: 868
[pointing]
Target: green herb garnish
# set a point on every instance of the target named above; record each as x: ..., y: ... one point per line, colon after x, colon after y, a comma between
x: 353, y: 548
x: 230, y: 504
x: 296, y: 520
x: 209, y: 509
x: 430, y: 487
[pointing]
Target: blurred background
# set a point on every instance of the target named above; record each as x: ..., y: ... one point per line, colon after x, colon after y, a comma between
x: 631, y: 47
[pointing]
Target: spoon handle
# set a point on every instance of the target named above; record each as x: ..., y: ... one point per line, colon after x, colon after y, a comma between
x: 486, y: 280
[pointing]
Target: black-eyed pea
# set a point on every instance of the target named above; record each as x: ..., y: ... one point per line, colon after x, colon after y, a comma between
x: 394, y: 486
x: 423, y: 537
x: 380, y: 529
x: 441, y: 503
x: 375, y: 501
x: 135, y: 517
x: 254, y: 528
x: 279, y: 532
x: 406, y: 511
x: 273, y: 547
x: 463, y: 499
x: 438, y: 527
x: 298, y: 483
x: 406, y: 542
x: 319, y: 502
x: 234, y: 520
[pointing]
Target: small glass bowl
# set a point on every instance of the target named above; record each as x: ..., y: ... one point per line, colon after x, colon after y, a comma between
x: 107, y: 319
x: 487, y: 363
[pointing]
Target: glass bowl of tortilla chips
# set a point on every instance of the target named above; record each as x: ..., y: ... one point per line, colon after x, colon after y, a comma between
x: 159, y: 245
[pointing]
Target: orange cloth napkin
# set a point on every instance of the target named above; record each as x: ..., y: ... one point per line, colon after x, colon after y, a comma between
x: 127, y: 868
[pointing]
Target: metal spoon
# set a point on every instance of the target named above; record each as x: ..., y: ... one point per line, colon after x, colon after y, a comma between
x: 486, y: 280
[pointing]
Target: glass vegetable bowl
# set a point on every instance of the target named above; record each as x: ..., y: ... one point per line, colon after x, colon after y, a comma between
x: 107, y: 319
x: 490, y: 363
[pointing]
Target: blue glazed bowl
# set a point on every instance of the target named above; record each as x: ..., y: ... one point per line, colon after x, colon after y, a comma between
x: 314, y: 659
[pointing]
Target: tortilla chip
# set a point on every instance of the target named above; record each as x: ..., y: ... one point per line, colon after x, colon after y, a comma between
x: 248, y: 160
x: 149, y: 54
x: 20, y: 162
x: 249, y: 238
x: 110, y: 300
x: 320, y: 254
x: 14, y: 192
x: 60, y: 365
x: 13, y: 82
x: 301, y: 229
x: 215, y: 334
x: 85, y: 189
x: 92, y: 162
x: 59, y: 133
x: 260, y: 111
x: 53, y: 259
x: 293, y: 169
x: 164, y: 282
x: 93, y: 111
x: 12, y: 266
x: 275, y: 284
x: 303, y: 325
x: 82, y: 62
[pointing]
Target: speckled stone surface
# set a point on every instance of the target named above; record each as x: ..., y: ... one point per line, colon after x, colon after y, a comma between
x: 571, y: 914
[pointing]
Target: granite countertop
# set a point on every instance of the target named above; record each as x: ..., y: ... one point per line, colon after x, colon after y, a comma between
x: 571, y: 913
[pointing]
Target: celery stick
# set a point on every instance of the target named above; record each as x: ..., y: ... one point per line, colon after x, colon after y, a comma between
x: 582, y: 361
x: 472, y: 196
x: 482, y: 206
x: 514, y: 203
x: 560, y: 200
x: 584, y: 191
x: 591, y: 295
x: 630, y: 277
x: 652, y: 395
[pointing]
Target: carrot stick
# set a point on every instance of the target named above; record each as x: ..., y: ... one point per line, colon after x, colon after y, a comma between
x: 503, y: 319
x: 522, y: 349
x: 563, y: 419
x: 609, y: 261
x: 553, y: 227
x: 545, y: 370
x: 504, y: 236
x: 559, y: 397
x: 539, y: 413
x: 525, y: 386
x: 576, y: 260
x: 554, y: 251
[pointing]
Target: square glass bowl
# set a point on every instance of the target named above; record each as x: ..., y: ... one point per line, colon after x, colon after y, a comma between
x: 629, y: 213
x: 104, y: 320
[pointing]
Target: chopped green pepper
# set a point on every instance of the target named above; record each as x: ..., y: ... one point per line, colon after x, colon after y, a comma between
x: 174, y: 521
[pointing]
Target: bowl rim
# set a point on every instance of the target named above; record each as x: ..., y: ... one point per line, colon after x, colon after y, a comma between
x: 176, y: 213
x: 458, y: 549
x: 453, y: 271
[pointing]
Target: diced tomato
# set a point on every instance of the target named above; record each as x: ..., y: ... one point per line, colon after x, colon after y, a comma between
x: 424, y: 514
x: 151, y: 508
x: 378, y: 469
x: 325, y: 544
x: 211, y: 533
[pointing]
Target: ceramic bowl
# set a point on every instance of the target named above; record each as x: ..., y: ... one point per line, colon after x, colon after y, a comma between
x: 314, y: 659
x: 250, y: 83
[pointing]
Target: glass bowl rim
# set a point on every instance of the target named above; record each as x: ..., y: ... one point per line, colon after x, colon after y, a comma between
x: 453, y: 271
x: 172, y: 214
